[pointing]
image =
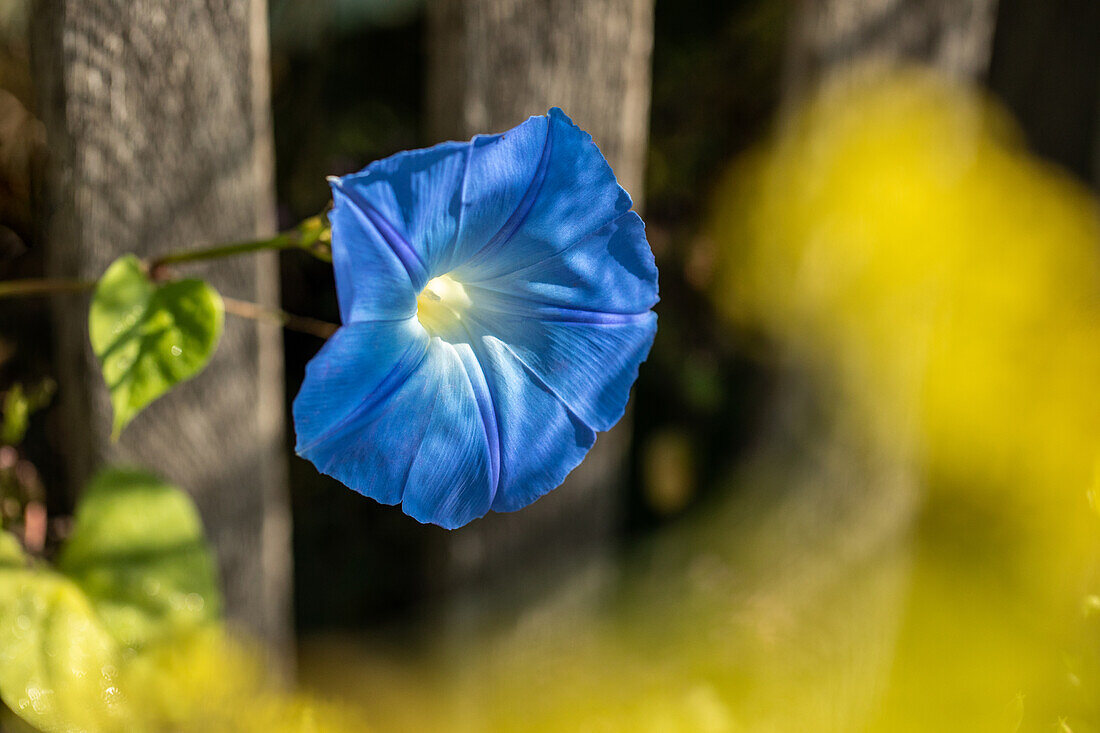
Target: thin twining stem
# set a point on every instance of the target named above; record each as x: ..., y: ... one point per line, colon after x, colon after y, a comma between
x: 43, y: 286
x: 241, y: 308
x: 312, y: 235
x: 282, y: 240
x: 301, y: 324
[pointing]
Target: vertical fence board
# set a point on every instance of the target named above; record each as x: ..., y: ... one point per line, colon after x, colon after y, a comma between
x: 955, y: 36
x: 158, y: 128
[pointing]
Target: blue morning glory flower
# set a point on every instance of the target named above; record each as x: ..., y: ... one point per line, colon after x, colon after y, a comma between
x: 496, y: 298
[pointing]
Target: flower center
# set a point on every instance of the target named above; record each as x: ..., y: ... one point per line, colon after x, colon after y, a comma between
x: 440, y: 305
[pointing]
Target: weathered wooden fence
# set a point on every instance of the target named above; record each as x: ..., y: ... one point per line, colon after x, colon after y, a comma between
x: 157, y: 120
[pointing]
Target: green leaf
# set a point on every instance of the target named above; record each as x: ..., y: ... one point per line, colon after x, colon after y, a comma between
x: 150, y: 337
x: 137, y: 549
x: 16, y: 415
x: 19, y: 404
x: 136, y: 570
x: 58, y: 663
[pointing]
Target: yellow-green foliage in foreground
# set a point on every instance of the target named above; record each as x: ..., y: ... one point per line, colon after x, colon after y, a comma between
x: 125, y: 634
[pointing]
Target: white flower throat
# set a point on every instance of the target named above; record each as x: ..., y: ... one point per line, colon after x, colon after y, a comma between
x: 441, y: 305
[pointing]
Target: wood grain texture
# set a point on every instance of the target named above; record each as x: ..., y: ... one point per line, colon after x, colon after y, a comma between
x: 955, y: 36
x: 492, y: 64
x: 157, y: 121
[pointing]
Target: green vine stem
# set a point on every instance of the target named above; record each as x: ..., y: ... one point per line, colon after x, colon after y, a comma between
x: 242, y: 308
x: 301, y: 324
x: 313, y: 235
x: 42, y: 286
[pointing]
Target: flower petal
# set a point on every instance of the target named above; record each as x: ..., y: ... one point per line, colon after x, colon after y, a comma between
x: 443, y: 204
x: 415, y: 433
x: 609, y: 271
x: 588, y: 359
x: 371, y: 281
x: 414, y: 197
x: 358, y: 364
x: 572, y: 194
x: 452, y: 478
x: 541, y: 439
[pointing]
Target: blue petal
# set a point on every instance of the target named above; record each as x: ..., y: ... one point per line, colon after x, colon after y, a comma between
x: 358, y: 364
x: 371, y: 280
x: 418, y: 433
x: 610, y: 271
x: 434, y: 208
x: 452, y: 479
x: 588, y: 359
x: 413, y: 201
x: 504, y: 175
x: 541, y: 440
x: 572, y: 194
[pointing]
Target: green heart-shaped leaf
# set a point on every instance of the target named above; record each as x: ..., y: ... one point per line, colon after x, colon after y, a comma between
x: 150, y: 337
x: 137, y: 550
